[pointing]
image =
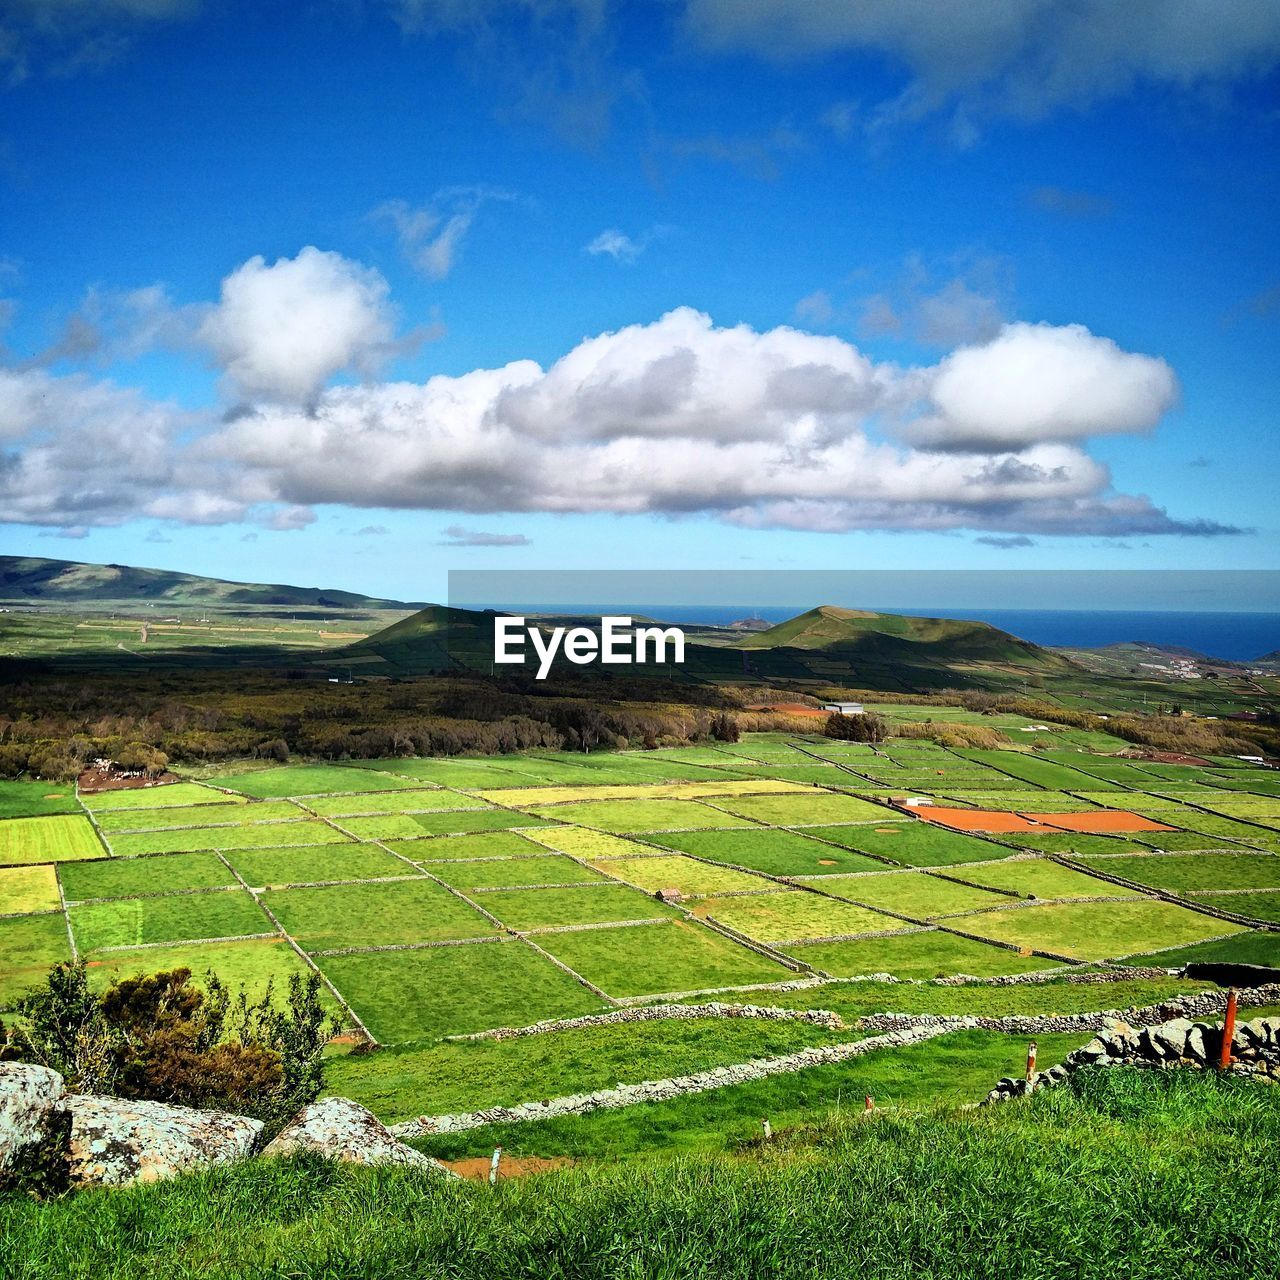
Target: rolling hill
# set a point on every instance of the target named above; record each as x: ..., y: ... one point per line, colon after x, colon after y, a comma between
x: 825, y: 646
x: 34, y: 580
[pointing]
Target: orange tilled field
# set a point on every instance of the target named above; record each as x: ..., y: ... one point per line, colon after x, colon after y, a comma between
x: 1100, y: 822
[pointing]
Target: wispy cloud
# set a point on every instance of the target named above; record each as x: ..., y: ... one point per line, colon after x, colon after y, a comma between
x: 431, y: 235
x: 1072, y: 204
x: 621, y: 247
x: 1006, y: 544
x: 458, y: 536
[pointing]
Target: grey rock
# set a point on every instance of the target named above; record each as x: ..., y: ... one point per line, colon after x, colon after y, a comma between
x: 32, y: 1112
x: 1171, y: 1036
x: 117, y: 1141
x: 1195, y: 1047
x: 344, y: 1130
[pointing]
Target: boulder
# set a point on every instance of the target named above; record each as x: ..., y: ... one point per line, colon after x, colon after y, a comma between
x: 1250, y: 1035
x: 1171, y: 1037
x: 1195, y: 1047
x: 33, y: 1125
x: 344, y: 1130
x: 1087, y: 1053
x: 116, y: 1141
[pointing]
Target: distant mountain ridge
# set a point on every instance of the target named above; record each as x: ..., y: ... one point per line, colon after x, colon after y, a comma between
x: 37, y: 580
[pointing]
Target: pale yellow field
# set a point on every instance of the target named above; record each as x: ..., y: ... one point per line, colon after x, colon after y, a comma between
x: 28, y: 889
x: 583, y: 842
x: 518, y: 796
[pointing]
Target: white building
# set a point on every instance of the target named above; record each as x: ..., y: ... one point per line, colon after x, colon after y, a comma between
x: 844, y: 708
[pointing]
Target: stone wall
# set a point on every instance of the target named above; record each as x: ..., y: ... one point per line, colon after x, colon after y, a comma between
x: 1179, y: 1042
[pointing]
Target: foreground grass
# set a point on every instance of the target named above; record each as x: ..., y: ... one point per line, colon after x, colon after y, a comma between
x: 1121, y: 1174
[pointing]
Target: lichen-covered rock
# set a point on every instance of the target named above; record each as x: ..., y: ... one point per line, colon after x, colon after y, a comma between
x: 344, y: 1130
x: 116, y: 1141
x: 33, y: 1127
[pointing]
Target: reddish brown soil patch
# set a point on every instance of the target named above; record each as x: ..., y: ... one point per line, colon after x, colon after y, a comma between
x: 511, y: 1166
x: 827, y: 862
x: 1173, y: 757
x: 1102, y: 822
x: 99, y: 780
x: 975, y: 819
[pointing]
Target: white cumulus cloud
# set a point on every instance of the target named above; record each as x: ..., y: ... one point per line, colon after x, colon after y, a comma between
x: 281, y: 331
x: 762, y: 429
x: 1043, y: 382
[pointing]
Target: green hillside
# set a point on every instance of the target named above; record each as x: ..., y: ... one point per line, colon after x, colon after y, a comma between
x: 35, y: 580
x: 436, y: 638
x: 831, y: 627
x: 826, y: 645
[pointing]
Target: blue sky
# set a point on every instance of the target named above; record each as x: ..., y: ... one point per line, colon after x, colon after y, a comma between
x: 358, y: 293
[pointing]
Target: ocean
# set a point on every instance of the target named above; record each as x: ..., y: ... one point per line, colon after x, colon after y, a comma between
x: 1235, y: 637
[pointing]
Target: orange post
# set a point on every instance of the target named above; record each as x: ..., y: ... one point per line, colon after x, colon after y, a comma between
x: 1228, y: 1029
x: 870, y: 1104
x: 1031, y: 1059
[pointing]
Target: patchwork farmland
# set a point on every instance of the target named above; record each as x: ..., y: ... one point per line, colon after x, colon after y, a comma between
x: 445, y: 898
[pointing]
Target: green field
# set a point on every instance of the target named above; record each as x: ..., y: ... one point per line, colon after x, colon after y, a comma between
x: 388, y: 927
x: 135, y: 877
x: 792, y: 913
x: 418, y: 995
x: 913, y: 893
x: 583, y: 904
x: 1038, y: 878
x: 1189, y: 872
x: 53, y: 839
x: 29, y: 945
x: 313, y: 864
x: 1096, y: 930
x: 650, y: 959
x: 687, y: 875
x: 459, y: 823
x: 1254, y: 947
x: 197, y: 815
x: 391, y: 802
x: 773, y: 851
x: 512, y: 873
x: 922, y: 954
x: 389, y: 913
x: 807, y: 810
x: 131, y: 922
x: 36, y: 799
x: 1257, y: 906
x: 310, y: 780
x: 914, y: 844
x: 264, y: 835
x: 624, y: 816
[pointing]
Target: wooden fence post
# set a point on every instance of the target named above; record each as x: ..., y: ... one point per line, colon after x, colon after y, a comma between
x: 1031, y: 1060
x: 1228, y: 1029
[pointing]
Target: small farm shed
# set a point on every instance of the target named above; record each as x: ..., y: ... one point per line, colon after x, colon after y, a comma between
x: 844, y: 708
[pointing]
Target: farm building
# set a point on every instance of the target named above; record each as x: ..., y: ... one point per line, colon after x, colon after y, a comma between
x: 844, y: 708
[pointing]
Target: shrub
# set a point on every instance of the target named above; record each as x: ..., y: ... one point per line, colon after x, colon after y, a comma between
x: 159, y: 1037
x: 866, y: 727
